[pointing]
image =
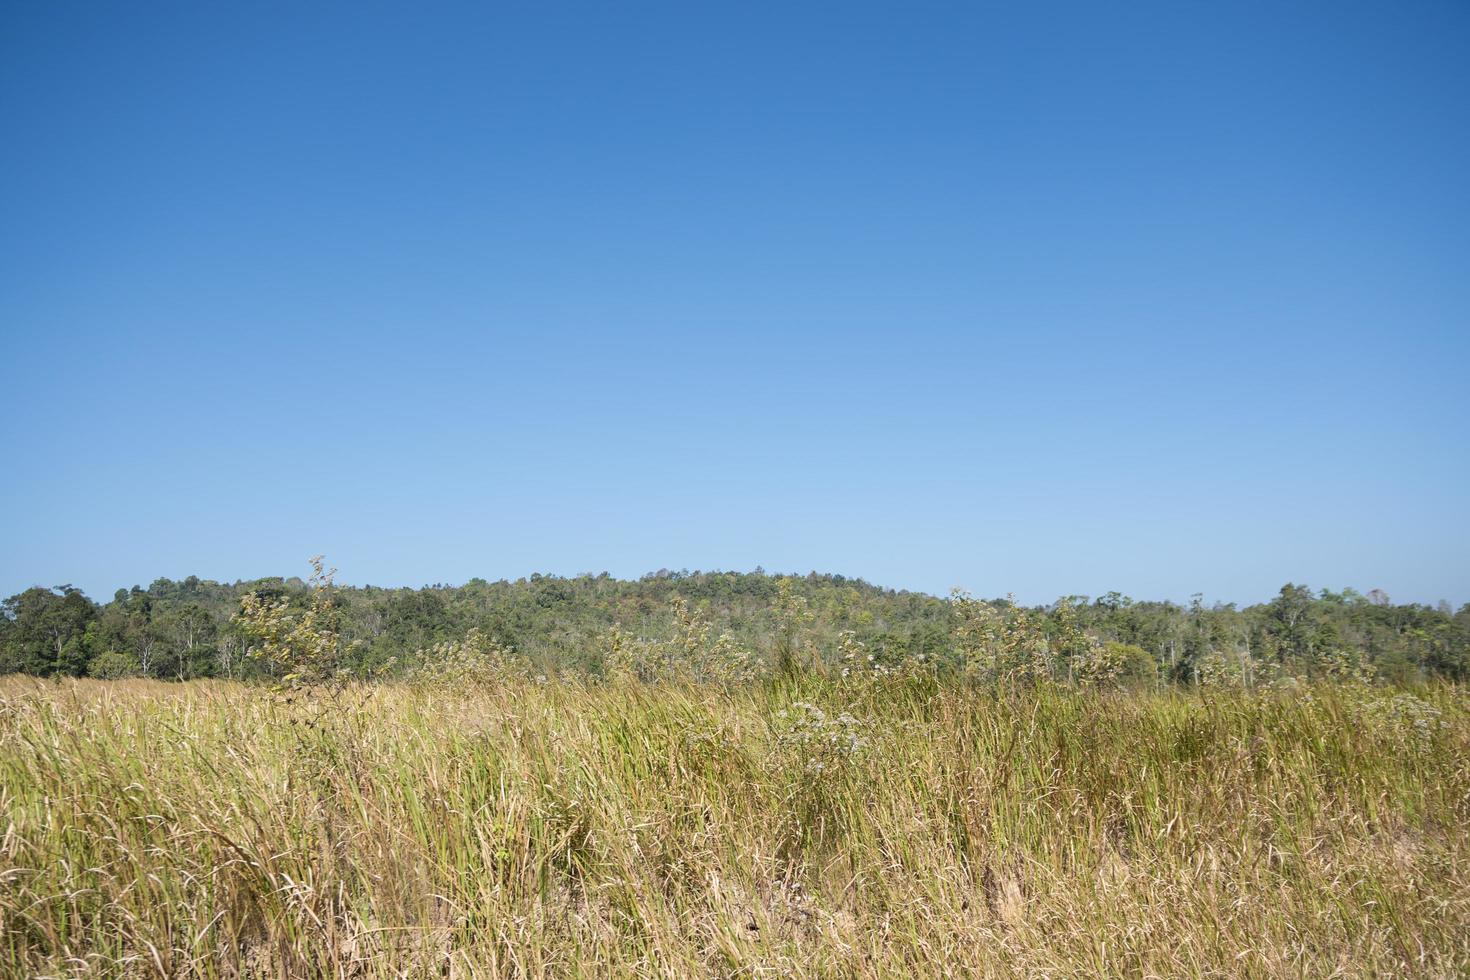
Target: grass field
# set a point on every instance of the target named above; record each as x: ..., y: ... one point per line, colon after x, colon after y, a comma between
x: 814, y: 827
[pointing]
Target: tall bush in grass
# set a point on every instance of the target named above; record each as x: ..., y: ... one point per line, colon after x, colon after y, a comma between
x: 301, y: 648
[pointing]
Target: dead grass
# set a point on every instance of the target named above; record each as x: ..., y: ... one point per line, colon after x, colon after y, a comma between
x: 558, y: 829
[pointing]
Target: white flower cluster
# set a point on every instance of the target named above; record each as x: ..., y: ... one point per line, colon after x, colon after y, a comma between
x: 858, y: 663
x: 638, y: 658
x: 1411, y: 718
x: 819, y: 740
x: 728, y: 663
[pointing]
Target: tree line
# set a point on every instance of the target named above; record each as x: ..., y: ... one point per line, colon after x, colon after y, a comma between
x: 189, y: 628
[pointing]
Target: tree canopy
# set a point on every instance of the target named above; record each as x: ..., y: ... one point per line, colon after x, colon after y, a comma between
x: 189, y: 628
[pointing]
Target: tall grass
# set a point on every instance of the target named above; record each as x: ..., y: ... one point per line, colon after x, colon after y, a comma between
x: 804, y: 827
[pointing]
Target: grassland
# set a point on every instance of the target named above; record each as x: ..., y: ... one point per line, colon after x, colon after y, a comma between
x: 809, y: 827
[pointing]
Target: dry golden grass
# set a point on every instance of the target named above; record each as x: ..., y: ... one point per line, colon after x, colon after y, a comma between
x: 879, y: 828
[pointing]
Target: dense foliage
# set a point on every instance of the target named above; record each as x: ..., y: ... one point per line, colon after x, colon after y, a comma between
x: 190, y: 628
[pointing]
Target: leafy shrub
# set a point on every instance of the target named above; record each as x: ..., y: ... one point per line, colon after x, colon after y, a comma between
x: 114, y: 665
x: 475, y: 659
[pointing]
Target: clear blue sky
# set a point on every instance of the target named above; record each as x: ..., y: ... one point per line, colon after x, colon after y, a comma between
x: 1037, y: 297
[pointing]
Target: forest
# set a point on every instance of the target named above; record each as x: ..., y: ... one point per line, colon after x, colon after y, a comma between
x: 191, y: 628
x: 722, y: 774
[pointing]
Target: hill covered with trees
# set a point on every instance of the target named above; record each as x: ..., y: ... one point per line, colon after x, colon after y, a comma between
x: 187, y: 628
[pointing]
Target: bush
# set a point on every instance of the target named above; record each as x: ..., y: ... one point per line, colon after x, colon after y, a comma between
x: 114, y: 665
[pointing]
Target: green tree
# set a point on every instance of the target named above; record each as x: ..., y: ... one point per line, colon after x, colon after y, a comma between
x: 189, y: 632
x: 45, y: 631
x: 1292, y: 621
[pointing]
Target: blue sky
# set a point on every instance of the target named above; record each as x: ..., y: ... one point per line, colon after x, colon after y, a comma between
x: 1047, y: 298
